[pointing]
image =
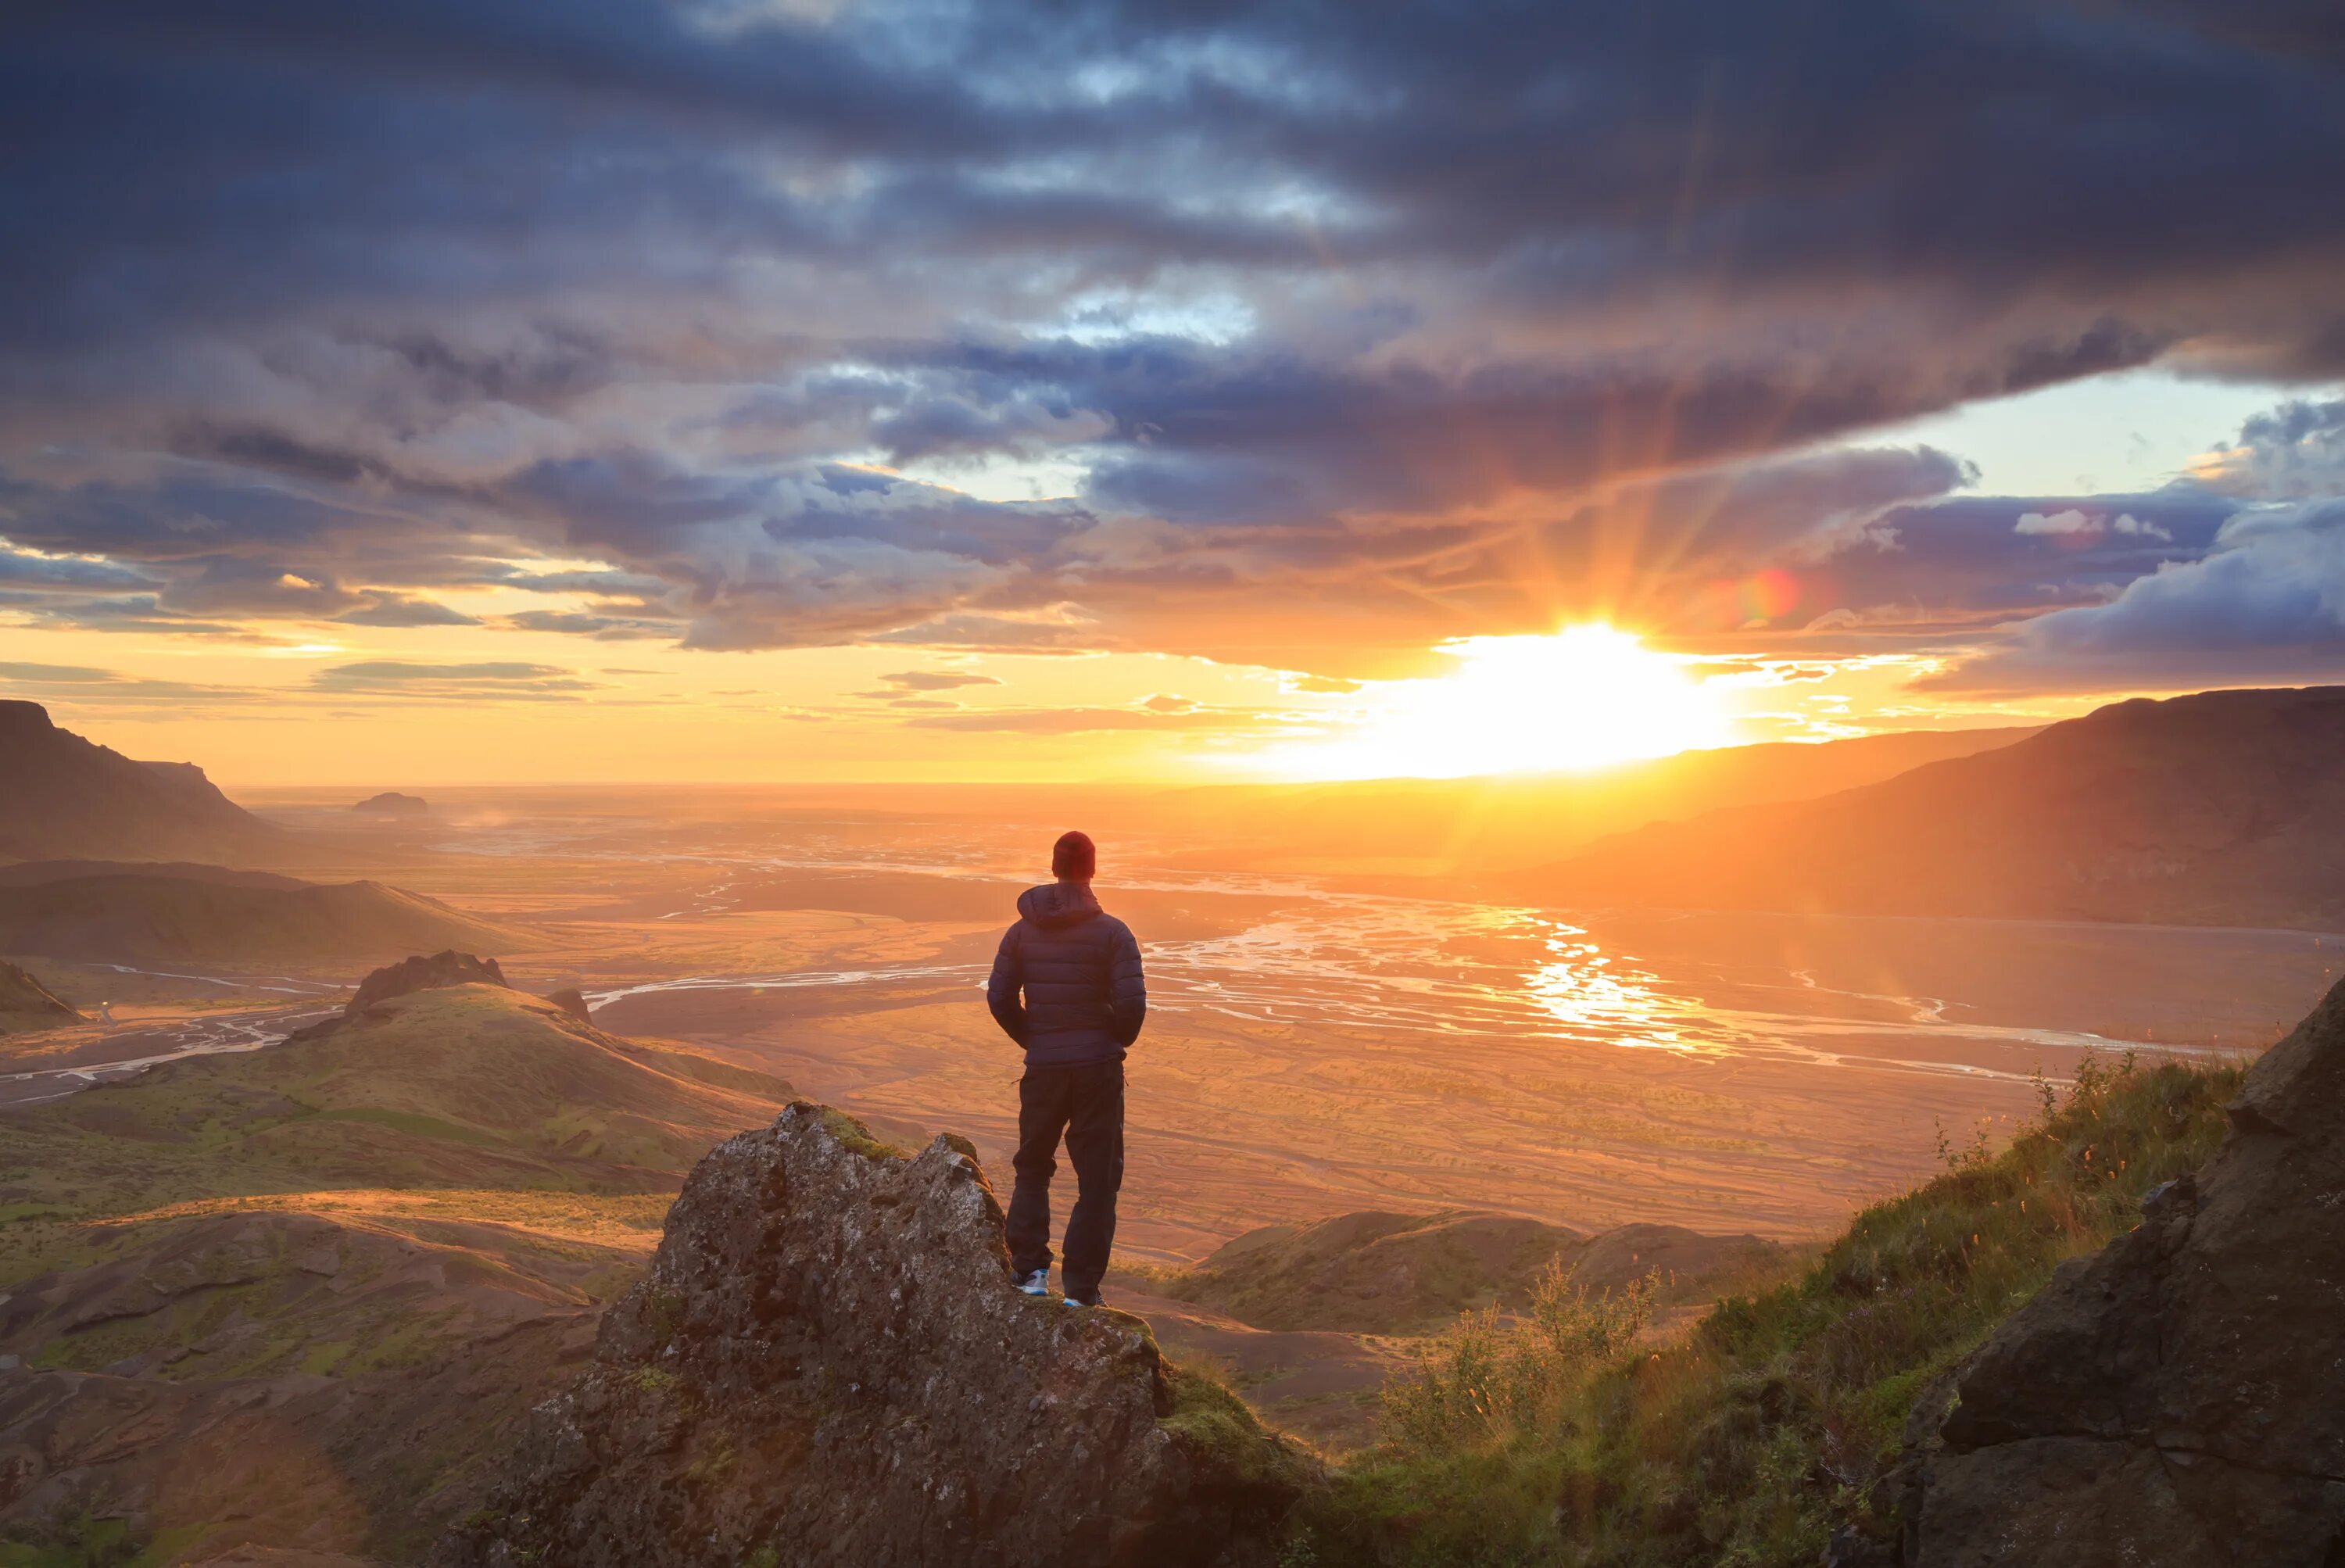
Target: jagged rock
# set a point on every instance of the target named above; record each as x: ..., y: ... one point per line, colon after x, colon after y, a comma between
x: 405, y: 978
x: 827, y: 1364
x: 413, y: 975
x: 572, y: 1001
x: 2178, y: 1397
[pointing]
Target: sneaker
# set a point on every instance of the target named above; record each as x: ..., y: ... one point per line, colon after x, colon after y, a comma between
x: 1091, y: 1300
x: 1037, y: 1283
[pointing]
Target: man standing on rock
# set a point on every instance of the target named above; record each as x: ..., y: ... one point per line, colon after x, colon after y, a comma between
x: 1066, y: 986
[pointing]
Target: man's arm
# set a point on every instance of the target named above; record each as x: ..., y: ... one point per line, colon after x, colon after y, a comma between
x: 1001, y: 998
x: 1127, y: 989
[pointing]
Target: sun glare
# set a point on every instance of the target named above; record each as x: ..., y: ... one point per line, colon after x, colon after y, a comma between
x: 1584, y: 697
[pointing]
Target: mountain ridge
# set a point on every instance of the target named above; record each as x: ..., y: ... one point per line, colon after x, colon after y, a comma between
x: 64, y: 797
x: 2223, y: 807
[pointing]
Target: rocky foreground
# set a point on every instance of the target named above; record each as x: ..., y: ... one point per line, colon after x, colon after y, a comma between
x: 2176, y: 1398
x: 827, y: 1364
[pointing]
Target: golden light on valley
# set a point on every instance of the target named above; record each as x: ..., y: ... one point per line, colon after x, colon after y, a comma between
x: 1585, y: 697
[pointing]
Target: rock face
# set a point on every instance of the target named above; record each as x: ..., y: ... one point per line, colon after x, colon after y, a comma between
x: 572, y: 1001
x: 413, y: 975
x: 61, y: 796
x: 828, y: 1364
x: 2178, y: 1397
x: 26, y: 1003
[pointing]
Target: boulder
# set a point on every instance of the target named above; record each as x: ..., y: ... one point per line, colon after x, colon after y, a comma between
x: 828, y: 1363
x: 571, y: 1000
x: 2178, y: 1397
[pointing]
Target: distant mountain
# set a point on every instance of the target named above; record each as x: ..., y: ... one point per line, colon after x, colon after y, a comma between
x: 62, y: 796
x: 29, y: 873
x: 1479, y: 826
x: 133, y: 918
x: 2223, y: 808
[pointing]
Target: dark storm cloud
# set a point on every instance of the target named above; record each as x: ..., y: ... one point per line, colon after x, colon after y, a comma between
x: 1347, y: 326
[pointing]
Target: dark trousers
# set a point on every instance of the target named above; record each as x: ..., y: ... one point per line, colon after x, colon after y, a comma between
x: 1085, y: 1103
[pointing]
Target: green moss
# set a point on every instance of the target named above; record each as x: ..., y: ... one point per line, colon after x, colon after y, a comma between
x: 855, y: 1135
x: 1215, y: 1425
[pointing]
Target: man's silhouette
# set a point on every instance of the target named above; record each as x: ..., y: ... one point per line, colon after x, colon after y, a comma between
x: 1066, y: 986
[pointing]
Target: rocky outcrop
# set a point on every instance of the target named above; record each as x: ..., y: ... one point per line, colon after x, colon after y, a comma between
x: 828, y: 1364
x: 26, y: 1003
x: 2178, y: 1397
x: 571, y: 1000
x: 391, y: 803
x: 413, y: 975
x: 405, y: 978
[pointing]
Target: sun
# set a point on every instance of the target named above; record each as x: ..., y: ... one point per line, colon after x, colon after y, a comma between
x: 1584, y: 697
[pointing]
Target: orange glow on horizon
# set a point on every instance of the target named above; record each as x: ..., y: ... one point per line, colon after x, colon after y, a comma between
x: 1586, y: 697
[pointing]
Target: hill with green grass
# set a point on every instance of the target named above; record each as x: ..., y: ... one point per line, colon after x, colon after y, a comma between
x: 1567, y: 1435
x: 1378, y: 1273
x: 340, y: 1267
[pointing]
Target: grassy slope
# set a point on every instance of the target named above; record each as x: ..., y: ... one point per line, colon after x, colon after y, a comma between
x: 473, y: 1089
x: 1744, y: 1443
x: 373, y: 1206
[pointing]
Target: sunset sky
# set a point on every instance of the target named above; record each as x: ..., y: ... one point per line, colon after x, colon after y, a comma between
x: 806, y: 388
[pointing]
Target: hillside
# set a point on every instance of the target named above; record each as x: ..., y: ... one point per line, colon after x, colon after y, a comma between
x: 2223, y: 808
x: 1779, y: 1423
x: 1502, y: 823
x: 26, y: 1003
x: 1375, y: 1273
x: 64, y: 797
x: 355, y: 1361
x: 133, y: 917
x: 31, y: 873
x: 340, y: 1267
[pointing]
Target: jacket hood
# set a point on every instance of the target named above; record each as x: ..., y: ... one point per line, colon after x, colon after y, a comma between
x: 1056, y: 905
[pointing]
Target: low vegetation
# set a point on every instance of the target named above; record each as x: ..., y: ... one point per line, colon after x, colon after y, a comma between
x: 1556, y: 1438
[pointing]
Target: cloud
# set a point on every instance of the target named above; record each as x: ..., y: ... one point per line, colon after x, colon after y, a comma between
x: 2074, y: 523
x: 607, y: 628
x: 2267, y: 603
x: 399, y: 610
x: 2295, y: 451
x: 1087, y: 720
x: 1302, y: 342
x: 937, y: 680
x: 488, y: 680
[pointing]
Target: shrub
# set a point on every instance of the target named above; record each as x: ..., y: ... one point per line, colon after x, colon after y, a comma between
x: 1552, y: 1438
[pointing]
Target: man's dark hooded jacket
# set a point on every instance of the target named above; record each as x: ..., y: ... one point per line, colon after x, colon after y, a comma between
x: 1078, y: 967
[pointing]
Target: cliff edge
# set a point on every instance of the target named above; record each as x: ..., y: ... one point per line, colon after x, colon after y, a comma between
x: 2177, y: 1397
x: 827, y: 1363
